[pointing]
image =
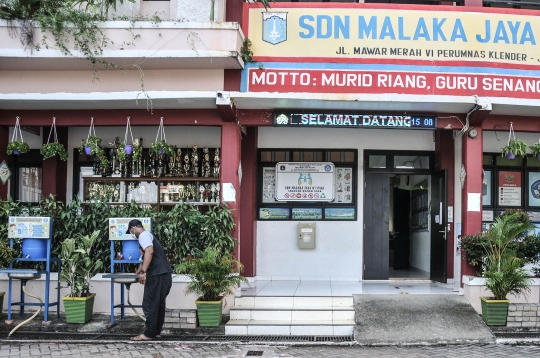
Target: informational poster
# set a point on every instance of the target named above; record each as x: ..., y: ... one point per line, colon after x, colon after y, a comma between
x: 339, y: 213
x: 274, y: 213
x: 509, y: 190
x: 307, y: 214
x: 487, y: 215
x: 305, y: 181
x: 269, y: 185
x: 486, y: 188
x: 534, y: 188
x: 118, y: 228
x: 534, y: 216
x: 344, y: 185
x: 29, y: 227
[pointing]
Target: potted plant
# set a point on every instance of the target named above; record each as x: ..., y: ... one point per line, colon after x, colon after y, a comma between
x: 6, y: 256
x: 515, y: 147
x: 79, y: 265
x: 162, y: 147
x: 17, y: 147
x: 49, y: 150
x: 137, y: 149
x: 121, y: 153
x: 212, y: 275
x: 535, y: 150
x: 504, y: 271
x: 92, y: 145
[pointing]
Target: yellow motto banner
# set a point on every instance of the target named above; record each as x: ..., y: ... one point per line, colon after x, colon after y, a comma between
x: 349, y: 34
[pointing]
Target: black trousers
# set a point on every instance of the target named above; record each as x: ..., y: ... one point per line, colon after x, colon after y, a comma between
x: 156, y: 290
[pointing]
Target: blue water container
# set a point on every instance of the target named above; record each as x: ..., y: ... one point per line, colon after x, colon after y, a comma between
x: 130, y: 250
x: 34, y: 248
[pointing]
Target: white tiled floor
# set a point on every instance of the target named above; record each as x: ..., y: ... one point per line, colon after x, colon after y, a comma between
x: 345, y: 288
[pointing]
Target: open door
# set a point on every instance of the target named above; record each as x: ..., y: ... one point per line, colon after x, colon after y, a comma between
x: 401, y: 239
x: 376, y: 231
x: 438, y: 205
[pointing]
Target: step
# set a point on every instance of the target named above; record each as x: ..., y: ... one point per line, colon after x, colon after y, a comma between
x: 294, y: 301
x: 292, y: 315
x: 286, y: 328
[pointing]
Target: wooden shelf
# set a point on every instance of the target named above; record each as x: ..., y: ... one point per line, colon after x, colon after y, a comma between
x: 162, y: 179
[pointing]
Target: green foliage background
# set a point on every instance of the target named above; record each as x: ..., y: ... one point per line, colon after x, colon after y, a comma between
x: 181, y: 230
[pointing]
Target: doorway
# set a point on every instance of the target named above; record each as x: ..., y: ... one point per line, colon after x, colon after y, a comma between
x: 403, y: 216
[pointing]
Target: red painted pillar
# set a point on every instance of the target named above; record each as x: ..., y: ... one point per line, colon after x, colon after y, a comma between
x: 248, y: 203
x: 54, y: 177
x: 230, y: 163
x: 4, y: 140
x: 234, y: 11
x: 472, y: 161
x: 444, y: 152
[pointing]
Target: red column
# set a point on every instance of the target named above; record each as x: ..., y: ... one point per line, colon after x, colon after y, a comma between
x: 248, y: 214
x: 54, y: 177
x: 472, y: 161
x: 4, y: 140
x: 230, y: 162
x: 444, y: 151
x: 234, y: 11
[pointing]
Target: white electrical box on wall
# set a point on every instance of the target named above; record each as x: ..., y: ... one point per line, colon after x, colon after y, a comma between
x: 306, y: 235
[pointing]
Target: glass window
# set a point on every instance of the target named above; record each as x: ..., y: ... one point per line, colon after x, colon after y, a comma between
x: 411, y: 162
x: 488, y: 159
x: 30, y: 184
x: 377, y: 161
x: 505, y: 162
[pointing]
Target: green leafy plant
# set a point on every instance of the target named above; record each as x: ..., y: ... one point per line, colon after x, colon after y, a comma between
x: 504, y: 270
x: 265, y: 3
x: 212, y: 273
x: 79, y: 264
x: 516, y: 147
x: 121, y: 152
x: 162, y: 147
x: 535, y: 149
x: 245, y: 51
x: 6, y: 255
x: 474, y: 250
x: 49, y: 150
x: 94, y: 142
x: 137, y: 151
x: 19, y: 145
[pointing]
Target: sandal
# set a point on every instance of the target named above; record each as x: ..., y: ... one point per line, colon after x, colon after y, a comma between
x: 141, y: 337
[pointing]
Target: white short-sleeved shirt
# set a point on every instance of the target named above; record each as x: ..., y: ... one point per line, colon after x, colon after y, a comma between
x: 145, y: 239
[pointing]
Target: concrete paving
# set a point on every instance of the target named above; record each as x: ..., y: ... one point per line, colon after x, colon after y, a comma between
x: 418, y: 319
x: 158, y: 350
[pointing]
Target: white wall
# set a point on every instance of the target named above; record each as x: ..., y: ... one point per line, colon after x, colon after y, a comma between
x: 338, y: 255
x: 182, y: 136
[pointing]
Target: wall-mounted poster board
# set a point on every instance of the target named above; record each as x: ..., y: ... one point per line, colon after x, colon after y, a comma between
x: 305, y: 181
x: 269, y: 185
x: 533, y: 186
x: 21, y: 227
x: 119, y: 226
x: 509, y: 190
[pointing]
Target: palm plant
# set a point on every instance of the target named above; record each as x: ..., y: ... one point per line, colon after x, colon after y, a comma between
x: 212, y: 274
x: 504, y: 271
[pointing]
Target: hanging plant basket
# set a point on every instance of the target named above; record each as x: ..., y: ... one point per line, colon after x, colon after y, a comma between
x: 515, y: 147
x: 535, y: 150
x: 128, y: 148
x: 161, y: 147
x: 92, y: 145
x: 17, y: 146
x: 49, y: 150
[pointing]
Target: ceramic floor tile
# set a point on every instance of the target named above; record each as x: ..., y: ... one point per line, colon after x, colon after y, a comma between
x: 312, y: 330
x: 236, y: 330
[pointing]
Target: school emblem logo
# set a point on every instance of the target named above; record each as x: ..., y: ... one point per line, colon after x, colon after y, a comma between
x: 274, y: 27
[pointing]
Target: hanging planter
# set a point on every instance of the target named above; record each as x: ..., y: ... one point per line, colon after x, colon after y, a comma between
x: 161, y: 147
x: 535, y: 150
x: 92, y: 145
x: 17, y: 146
x: 515, y: 147
x: 128, y: 148
x: 49, y: 150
